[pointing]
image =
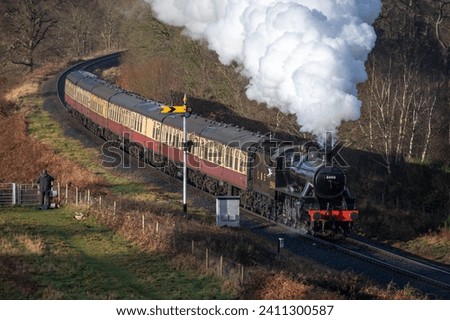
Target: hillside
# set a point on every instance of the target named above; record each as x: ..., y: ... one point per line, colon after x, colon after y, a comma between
x: 397, y: 151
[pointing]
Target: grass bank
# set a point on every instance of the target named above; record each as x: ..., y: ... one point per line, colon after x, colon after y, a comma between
x: 51, y: 255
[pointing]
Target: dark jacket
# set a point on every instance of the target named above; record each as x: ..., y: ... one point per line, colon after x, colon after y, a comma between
x: 45, y: 182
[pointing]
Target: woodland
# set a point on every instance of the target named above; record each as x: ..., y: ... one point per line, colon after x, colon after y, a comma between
x: 397, y: 151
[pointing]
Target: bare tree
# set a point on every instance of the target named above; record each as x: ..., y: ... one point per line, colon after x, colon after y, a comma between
x: 111, y: 17
x: 28, y: 23
x: 378, y: 125
x: 81, y: 24
x: 429, y: 128
x: 443, y: 13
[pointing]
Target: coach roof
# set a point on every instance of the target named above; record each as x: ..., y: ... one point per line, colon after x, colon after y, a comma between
x: 224, y: 133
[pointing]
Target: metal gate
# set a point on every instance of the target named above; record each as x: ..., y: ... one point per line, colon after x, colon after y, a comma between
x: 20, y: 194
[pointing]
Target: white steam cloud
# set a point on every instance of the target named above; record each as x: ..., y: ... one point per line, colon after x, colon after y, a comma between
x: 304, y: 56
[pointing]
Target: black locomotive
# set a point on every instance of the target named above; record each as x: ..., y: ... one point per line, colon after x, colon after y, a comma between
x: 302, y: 186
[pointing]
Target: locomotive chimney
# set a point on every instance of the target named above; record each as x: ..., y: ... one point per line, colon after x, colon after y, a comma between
x: 329, y: 149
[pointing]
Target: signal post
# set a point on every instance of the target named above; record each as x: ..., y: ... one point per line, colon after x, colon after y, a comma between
x: 185, y: 112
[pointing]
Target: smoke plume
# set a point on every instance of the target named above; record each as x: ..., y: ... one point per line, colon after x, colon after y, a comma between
x: 303, y: 56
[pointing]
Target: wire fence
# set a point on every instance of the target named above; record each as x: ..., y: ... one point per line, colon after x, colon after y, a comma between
x: 167, y: 235
x: 19, y: 194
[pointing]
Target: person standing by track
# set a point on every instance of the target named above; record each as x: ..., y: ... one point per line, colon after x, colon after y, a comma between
x: 45, y: 188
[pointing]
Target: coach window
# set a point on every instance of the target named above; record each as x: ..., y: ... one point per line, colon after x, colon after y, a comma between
x: 195, y: 148
x: 134, y: 121
x: 165, y: 133
x: 156, y: 131
x: 228, y: 157
x: 219, y: 151
x: 176, y: 139
x: 204, y: 149
x: 211, y: 151
x: 149, y: 127
x: 236, y: 154
x: 113, y: 112
x: 120, y: 115
x: 243, y: 161
x: 169, y: 136
x: 104, y: 107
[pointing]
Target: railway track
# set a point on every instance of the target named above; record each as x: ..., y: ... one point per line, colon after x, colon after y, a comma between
x: 414, y: 268
x: 417, y: 271
x: 108, y: 60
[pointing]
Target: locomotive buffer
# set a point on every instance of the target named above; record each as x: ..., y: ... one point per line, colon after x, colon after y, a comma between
x: 185, y: 112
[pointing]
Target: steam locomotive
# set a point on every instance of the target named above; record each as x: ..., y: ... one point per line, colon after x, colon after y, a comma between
x: 299, y: 186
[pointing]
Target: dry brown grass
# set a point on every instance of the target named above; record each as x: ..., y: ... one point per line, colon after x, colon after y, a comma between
x: 33, y: 246
x: 22, y: 90
x: 290, y: 277
x: 394, y: 293
x: 22, y: 157
x: 434, y: 246
x: 32, y: 82
x: 8, y: 248
x: 280, y: 286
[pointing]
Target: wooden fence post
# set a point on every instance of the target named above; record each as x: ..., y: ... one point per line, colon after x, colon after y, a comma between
x: 207, y: 258
x: 241, y: 273
x: 221, y: 267
x: 143, y: 224
x: 67, y: 193
x: 76, y: 196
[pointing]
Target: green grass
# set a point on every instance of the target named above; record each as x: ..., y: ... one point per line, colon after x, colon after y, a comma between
x: 42, y: 127
x: 50, y: 255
